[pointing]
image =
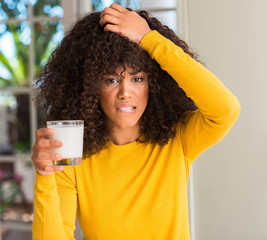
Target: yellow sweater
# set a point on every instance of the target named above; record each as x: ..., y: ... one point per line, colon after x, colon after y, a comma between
x: 139, y: 191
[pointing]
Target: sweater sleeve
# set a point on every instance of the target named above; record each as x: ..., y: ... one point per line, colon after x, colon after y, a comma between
x: 218, y: 108
x: 55, y: 207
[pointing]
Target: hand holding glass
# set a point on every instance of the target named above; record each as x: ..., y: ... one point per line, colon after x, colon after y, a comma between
x: 70, y: 133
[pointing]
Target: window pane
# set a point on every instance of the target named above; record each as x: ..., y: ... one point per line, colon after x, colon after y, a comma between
x: 13, y: 9
x: 49, y: 8
x: 7, y: 124
x: 16, y: 178
x: 168, y: 18
x: 99, y: 5
x: 14, y: 124
x: 47, y: 36
x: 14, y: 54
x: 16, y: 186
x: 152, y: 4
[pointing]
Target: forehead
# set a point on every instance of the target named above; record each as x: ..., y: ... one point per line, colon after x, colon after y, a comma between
x: 123, y: 68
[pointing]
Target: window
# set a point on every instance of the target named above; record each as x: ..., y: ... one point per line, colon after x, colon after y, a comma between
x: 29, y: 31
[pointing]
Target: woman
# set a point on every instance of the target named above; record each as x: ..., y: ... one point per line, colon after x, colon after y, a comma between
x: 149, y: 109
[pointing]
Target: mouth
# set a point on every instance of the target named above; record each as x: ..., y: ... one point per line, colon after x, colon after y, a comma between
x: 126, y: 109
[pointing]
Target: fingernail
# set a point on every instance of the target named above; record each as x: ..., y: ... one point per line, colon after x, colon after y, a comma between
x: 58, y: 156
x: 49, y: 130
x: 58, y: 143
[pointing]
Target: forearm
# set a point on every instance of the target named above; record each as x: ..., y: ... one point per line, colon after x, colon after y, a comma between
x: 213, y: 99
x: 48, y: 221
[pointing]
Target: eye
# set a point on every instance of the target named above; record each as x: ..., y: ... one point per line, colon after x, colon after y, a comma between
x: 138, y: 79
x: 110, y: 81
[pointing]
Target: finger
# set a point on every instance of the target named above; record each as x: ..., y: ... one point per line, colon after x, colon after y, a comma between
x: 109, y: 11
x: 112, y: 28
x: 48, y: 169
x: 41, y: 164
x: 45, y: 157
x: 53, y: 168
x: 118, y: 7
x: 108, y: 19
x: 42, y: 132
x: 48, y: 143
x: 58, y: 168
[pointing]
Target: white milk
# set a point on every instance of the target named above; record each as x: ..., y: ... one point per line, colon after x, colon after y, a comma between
x: 72, y: 139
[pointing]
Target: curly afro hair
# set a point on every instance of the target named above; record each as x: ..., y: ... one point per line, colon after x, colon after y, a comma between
x: 68, y: 86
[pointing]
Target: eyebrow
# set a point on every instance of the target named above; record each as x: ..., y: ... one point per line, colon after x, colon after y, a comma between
x: 135, y: 72
x: 119, y: 74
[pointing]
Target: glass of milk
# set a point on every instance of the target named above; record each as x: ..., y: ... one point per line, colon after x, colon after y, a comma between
x: 70, y: 133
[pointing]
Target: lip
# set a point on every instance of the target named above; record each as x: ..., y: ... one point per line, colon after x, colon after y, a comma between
x: 125, y: 108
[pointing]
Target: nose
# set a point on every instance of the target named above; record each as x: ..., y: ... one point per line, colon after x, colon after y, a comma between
x: 124, y: 90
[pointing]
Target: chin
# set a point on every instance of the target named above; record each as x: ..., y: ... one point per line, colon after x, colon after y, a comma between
x: 126, y: 124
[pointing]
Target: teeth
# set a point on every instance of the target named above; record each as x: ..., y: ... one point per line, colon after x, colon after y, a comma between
x: 128, y: 108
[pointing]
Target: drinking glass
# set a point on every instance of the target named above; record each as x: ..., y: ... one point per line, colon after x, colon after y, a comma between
x: 70, y: 133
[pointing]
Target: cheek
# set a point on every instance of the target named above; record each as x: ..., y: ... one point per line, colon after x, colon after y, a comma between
x: 105, y: 99
x: 143, y: 99
x: 145, y: 95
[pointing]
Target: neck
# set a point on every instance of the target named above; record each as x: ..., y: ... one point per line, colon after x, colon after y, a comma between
x: 124, y: 136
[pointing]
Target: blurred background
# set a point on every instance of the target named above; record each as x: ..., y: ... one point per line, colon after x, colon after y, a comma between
x: 227, y: 190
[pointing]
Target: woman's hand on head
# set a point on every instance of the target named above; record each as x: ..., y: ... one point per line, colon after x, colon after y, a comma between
x: 41, y: 155
x: 127, y: 23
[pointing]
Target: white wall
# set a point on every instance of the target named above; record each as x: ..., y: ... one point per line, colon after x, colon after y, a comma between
x: 230, y: 179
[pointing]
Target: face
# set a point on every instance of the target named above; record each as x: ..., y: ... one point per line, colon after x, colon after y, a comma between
x: 124, y: 97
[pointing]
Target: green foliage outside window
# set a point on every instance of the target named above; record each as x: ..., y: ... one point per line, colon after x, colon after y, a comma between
x: 16, y: 37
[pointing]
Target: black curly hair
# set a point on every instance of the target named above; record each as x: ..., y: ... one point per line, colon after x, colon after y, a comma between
x: 68, y: 86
